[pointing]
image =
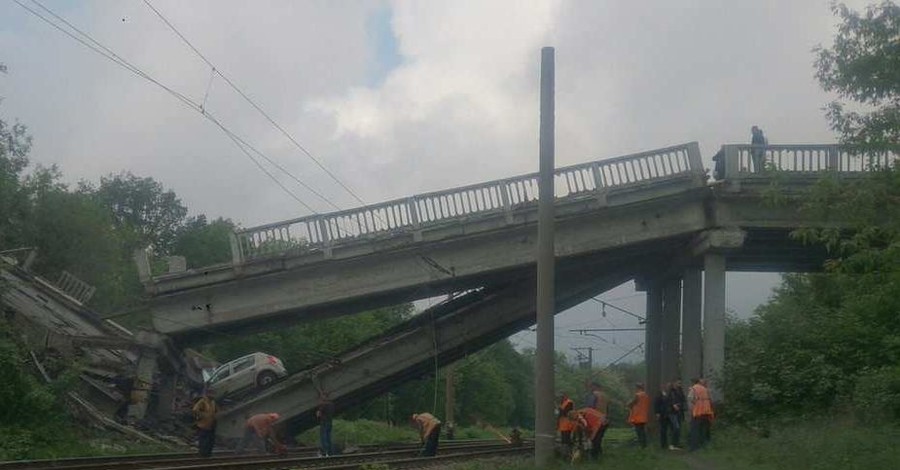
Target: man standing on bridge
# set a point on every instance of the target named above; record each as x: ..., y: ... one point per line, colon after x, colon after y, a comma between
x: 205, y: 419
x: 758, y: 143
x: 429, y: 429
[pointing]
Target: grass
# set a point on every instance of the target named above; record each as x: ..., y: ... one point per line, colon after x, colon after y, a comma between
x: 822, y: 444
x: 71, y: 441
x: 819, y: 444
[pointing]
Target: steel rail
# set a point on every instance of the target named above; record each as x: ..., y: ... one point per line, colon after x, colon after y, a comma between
x: 181, y: 459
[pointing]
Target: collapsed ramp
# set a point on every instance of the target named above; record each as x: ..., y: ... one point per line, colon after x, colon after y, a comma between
x: 447, y: 332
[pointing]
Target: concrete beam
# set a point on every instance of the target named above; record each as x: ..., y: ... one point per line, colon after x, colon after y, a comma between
x: 463, y: 326
x: 671, y: 331
x: 718, y: 240
x: 714, y: 321
x: 296, y: 289
x: 653, y: 337
x: 692, y: 349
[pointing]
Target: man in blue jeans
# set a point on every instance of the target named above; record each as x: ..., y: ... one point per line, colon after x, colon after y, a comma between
x: 325, y: 413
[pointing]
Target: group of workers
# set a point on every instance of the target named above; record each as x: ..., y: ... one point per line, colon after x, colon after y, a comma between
x: 259, y: 429
x: 260, y: 435
x: 588, y: 424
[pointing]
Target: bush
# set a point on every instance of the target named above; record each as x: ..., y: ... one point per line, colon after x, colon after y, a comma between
x: 876, y: 397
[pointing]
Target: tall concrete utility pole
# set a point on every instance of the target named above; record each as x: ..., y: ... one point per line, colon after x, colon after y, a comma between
x: 544, y: 428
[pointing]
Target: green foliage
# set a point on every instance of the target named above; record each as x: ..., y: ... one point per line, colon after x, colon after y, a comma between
x: 863, y: 65
x: 31, y: 411
x: 829, y: 442
x: 310, y: 343
x: 876, y: 397
x: 831, y: 338
x: 142, y: 208
x: 204, y: 243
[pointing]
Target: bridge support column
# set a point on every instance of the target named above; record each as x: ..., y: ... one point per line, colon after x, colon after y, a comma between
x: 714, y: 321
x: 653, y: 337
x: 671, y: 329
x: 691, y: 346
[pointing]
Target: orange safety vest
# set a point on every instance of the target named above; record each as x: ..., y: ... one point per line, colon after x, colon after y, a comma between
x: 426, y: 423
x: 563, y: 423
x: 701, y: 403
x: 592, y: 420
x: 640, y: 410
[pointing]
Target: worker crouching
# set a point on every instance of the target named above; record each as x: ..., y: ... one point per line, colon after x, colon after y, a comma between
x: 258, y: 430
x: 429, y: 429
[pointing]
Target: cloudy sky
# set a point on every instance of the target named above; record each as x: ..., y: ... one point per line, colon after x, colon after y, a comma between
x: 396, y: 98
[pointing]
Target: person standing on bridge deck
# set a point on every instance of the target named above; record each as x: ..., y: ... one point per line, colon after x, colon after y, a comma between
x: 205, y: 419
x: 325, y: 413
x: 639, y: 413
x: 758, y: 142
x: 701, y: 415
x: 257, y: 431
x: 429, y: 429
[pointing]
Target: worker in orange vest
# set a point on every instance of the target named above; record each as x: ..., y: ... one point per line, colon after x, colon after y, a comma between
x: 701, y: 414
x: 429, y: 429
x: 639, y: 413
x: 564, y: 423
x: 257, y: 431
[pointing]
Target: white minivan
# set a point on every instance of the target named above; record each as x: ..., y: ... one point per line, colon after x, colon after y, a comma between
x: 257, y: 369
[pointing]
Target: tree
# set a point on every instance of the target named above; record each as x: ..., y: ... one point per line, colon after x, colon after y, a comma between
x: 863, y: 65
x: 204, y: 243
x: 15, y: 143
x: 143, y: 209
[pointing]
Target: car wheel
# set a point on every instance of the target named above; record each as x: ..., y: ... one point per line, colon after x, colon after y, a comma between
x: 265, y: 379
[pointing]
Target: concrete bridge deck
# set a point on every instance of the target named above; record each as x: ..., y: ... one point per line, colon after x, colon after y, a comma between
x: 651, y: 216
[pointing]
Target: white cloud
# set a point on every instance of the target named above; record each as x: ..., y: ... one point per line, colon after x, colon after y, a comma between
x: 461, y: 107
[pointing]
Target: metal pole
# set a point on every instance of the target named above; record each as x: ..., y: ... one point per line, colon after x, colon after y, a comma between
x: 545, y: 429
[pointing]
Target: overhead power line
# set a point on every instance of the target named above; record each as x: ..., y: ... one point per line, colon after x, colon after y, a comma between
x: 86, y: 40
x: 215, y: 70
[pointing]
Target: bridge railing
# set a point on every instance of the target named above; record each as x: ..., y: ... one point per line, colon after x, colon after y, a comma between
x: 741, y: 160
x: 434, y: 208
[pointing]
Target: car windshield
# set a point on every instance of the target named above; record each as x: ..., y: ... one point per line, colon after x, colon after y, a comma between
x: 219, y: 373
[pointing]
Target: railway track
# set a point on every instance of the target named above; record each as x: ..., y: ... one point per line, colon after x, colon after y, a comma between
x: 397, y: 456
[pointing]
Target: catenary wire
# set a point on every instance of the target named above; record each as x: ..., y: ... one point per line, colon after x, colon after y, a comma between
x: 252, y: 103
x: 104, y: 51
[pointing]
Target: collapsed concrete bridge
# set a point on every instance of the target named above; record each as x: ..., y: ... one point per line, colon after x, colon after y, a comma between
x: 651, y: 216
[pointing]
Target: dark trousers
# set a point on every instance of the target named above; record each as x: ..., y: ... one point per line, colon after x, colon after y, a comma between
x: 670, y: 425
x: 206, y: 439
x: 664, y: 425
x: 565, y: 437
x: 325, y: 437
x: 700, y: 432
x: 431, y: 442
x: 641, y: 432
x: 759, y: 160
x: 597, y: 443
x: 251, y: 439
